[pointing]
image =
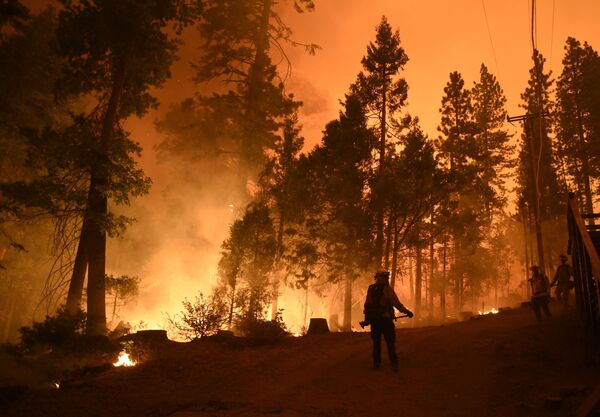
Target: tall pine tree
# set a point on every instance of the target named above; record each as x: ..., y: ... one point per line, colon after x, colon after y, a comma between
x: 575, y: 119
x: 117, y: 51
x: 339, y: 172
x: 240, y: 38
x: 492, y: 140
x: 536, y: 153
x: 281, y: 188
x: 459, y: 152
x: 383, y: 94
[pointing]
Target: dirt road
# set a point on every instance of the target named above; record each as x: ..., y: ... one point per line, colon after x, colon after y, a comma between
x: 505, y: 365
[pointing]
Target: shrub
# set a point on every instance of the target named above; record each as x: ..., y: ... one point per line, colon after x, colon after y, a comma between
x: 61, y: 331
x: 203, y: 317
x: 260, y: 331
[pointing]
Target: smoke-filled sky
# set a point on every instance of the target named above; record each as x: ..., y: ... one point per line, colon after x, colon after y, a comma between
x: 439, y: 36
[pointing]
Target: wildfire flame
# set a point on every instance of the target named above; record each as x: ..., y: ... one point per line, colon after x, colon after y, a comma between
x: 124, y: 360
x: 492, y: 311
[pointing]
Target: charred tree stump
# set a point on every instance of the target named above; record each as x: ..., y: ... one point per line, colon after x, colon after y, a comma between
x: 148, y: 337
x: 317, y: 326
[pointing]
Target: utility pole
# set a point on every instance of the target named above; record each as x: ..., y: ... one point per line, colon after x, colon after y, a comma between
x: 527, y: 119
x: 535, y: 183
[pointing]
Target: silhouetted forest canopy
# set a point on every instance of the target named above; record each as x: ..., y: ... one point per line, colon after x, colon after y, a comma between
x: 243, y: 223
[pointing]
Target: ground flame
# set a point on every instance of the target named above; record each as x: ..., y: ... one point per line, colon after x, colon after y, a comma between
x: 492, y: 311
x: 124, y: 360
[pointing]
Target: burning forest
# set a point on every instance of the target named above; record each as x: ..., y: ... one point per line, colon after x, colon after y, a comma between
x: 206, y: 205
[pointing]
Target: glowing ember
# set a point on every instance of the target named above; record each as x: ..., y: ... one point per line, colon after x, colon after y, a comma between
x: 56, y: 385
x: 124, y: 360
x: 297, y: 334
x: 492, y: 311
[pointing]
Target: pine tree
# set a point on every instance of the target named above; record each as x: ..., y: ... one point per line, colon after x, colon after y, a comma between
x: 492, y: 139
x: 457, y: 141
x: 116, y: 51
x: 416, y: 184
x: 383, y: 94
x: 338, y: 173
x: 247, y: 260
x: 240, y: 38
x: 535, y: 138
x: 30, y: 69
x: 495, y: 160
x: 574, y: 118
x: 458, y: 150
x: 281, y: 188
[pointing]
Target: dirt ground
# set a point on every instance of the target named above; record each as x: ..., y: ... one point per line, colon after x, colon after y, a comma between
x: 503, y: 365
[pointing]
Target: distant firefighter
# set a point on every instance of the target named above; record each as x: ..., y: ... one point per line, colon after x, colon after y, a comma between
x: 540, y: 288
x: 562, y: 280
x: 379, y: 314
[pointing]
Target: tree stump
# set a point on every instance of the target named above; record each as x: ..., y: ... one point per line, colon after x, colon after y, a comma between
x: 151, y: 336
x: 317, y: 326
x: 146, y: 337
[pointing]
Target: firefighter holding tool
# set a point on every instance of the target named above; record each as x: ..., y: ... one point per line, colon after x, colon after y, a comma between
x: 379, y: 314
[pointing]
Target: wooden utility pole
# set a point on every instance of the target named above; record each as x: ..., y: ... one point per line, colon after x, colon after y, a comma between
x: 536, y: 194
x: 525, y: 221
x: 527, y: 119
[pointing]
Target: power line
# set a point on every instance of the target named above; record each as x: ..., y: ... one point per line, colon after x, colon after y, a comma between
x: 552, y: 34
x: 533, y: 26
x: 538, y: 71
x: 487, y: 24
x: 529, y: 15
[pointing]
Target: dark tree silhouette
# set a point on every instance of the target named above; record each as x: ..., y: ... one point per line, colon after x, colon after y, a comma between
x: 116, y: 51
x: 575, y: 118
x: 383, y: 94
x: 551, y: 206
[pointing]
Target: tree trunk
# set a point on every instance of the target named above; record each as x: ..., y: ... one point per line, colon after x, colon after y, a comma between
x: 79, y: 269
x: 98, y: 210
x: 304, y: 323
x: 418, y: 275
x: 589, y: 202
x: 585, y: 165
x: 395, y: 249
x: 256, y: 73
x: 458, y: 279
x: 388, y: 243
x: 9, y: 309
x: 9, y: 317
x: 277, y: 275
x: 96, y: 289
x: 443, y: 289
x: 250, y: 147
x: 431, y: 270
x: 382, y: 141
x: 347, y: 325
x: 114, y: 312
x: 275, y: 297
x: 535, y: 193
x: 231, y: 306
x: 526, y: 242
x: 531, y: 241
x: 411, y: 282
x: 496, y: 291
